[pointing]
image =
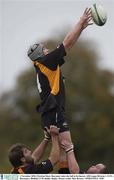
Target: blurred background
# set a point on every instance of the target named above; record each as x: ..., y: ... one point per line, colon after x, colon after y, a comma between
x: 89, y: 74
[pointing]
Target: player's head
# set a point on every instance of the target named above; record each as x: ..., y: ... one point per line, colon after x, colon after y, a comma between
x: 97, y: 169
x: 20, y: 154
x: 36, y: 51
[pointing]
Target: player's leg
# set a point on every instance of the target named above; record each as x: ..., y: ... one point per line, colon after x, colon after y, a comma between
x: 66, y: 142
x: 63, y: 163
x: 48, y: 118
x: 56, y: 117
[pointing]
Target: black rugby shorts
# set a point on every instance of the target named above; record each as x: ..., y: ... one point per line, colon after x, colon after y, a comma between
x: 55, y: 117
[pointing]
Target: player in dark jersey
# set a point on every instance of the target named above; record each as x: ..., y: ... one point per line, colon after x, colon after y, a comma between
x: 51, y: 86
x: 25, y: 162
x: 95, y: 169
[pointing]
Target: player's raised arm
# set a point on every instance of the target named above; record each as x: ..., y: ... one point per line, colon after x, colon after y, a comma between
x: 74, y: 34
x: 39, y: 151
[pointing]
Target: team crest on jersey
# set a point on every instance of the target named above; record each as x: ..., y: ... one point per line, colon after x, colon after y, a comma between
x: 43, y: 163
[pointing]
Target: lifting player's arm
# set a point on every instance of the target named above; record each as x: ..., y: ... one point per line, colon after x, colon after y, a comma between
x: 72, y: 36
x: 39, y: 151
x: 55, y: 152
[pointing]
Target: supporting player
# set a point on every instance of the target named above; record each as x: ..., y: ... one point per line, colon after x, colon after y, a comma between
x: 51, y: 85
x: 95, y: 169
x: 25, y: 162
x: 98, y: 169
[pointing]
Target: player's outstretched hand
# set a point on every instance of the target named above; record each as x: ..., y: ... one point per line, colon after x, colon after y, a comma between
x: 86, y: 18
x: 54, y: 130
x: 47, y: 135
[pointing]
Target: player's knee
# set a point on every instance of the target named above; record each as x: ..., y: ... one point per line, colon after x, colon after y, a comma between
x: 66, y: 144
x: 65, y: 140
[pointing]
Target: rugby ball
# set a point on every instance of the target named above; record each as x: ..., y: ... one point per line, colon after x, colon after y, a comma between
x: 99, y: 15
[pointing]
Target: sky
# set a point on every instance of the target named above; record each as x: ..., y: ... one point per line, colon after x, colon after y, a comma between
x: 23, y: 22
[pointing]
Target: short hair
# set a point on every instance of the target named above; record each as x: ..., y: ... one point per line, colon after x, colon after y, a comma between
x: 102, y: 170
x: 15, y: 154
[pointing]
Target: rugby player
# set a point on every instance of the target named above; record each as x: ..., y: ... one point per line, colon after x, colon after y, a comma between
x: 51, y: 85
x: 24, y: 161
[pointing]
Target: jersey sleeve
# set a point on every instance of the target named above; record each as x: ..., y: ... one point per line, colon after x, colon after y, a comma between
x: 54, y: 58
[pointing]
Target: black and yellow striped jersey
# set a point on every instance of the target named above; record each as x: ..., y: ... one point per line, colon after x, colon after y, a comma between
x: 49, y: 77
